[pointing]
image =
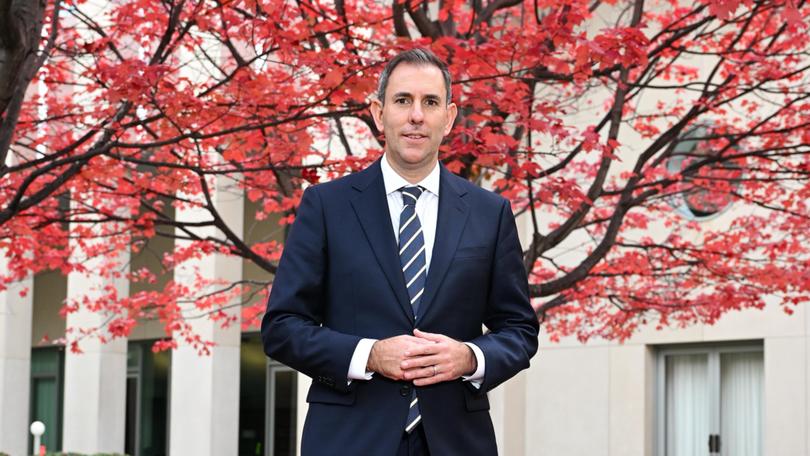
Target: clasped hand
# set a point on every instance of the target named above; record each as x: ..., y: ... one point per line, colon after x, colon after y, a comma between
x: 424, y: 358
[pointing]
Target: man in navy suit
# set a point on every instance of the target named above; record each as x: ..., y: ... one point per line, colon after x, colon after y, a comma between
x: 386, y: 279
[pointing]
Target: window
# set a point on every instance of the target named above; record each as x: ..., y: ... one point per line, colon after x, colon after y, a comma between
x: 706, y: 190
x: 282, y: 405
x: 268, y: 393
x: 252, y: 396
x: 147, y: 403
x: 709, y: 401
x: 47, y: 387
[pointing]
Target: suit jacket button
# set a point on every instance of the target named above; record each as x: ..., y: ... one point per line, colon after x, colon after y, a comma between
x: 405, y: 390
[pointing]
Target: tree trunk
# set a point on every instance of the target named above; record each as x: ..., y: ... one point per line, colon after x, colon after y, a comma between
x: 20, y: 29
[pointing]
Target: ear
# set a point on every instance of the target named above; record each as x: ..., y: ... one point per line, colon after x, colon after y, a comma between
x: 376, y: 108
x: 452, y: 112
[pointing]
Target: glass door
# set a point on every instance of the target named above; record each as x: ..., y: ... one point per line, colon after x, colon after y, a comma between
x: 741, y: 386
x: 687, y: 404
x: 268, y: 393
x: 710, y: 401
x: 282, y: 408
x: 147, y: 402
x: 47, y: 386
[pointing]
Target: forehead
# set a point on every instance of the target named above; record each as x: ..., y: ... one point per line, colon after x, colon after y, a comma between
x: 416, y: 79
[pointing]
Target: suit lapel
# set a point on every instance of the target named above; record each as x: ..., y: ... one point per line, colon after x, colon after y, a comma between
x: 452, y: 217
x: 371, y: 207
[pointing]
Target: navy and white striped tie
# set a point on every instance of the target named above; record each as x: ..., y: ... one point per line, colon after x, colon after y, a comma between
x: 414, y: 267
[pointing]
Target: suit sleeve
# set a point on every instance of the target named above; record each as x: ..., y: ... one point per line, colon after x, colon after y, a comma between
x: 512, y: 323
x: 292, y: 330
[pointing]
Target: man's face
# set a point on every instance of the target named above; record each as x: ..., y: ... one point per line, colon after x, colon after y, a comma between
x: 415, y: 116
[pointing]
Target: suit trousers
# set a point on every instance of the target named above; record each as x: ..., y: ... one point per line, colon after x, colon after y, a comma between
x: 413, y: 444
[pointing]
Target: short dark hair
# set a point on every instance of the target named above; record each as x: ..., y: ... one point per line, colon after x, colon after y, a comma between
x: 416, y: 56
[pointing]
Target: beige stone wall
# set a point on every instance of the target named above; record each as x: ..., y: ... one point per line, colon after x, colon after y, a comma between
x: 599, y: 399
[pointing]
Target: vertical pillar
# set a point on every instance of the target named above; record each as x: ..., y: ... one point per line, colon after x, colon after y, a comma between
x: 304, y: 383
x: 497, y: 409
x: 508, y: 413
x: 95, y: 380
x: 204, y: 394
x: 785, y: 397
x: 630, y: 392
x: 514, y: 422
x: 15, y: 363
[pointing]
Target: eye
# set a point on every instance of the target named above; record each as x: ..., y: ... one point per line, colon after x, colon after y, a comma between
x: 432, y: 102
x: 401, y: 100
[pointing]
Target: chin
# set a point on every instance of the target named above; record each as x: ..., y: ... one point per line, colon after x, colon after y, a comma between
x: 417, y: 156
x: 414, y: 157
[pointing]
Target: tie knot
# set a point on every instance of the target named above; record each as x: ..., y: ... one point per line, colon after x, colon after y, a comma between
x: 410, y: 194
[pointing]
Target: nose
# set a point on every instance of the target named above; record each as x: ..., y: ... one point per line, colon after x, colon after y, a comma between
x: 416, y: 115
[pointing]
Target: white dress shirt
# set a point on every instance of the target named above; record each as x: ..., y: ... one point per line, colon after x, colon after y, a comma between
x: 427, y: 209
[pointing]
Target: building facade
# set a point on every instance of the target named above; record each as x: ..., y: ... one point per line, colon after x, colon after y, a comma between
x: 739, y: 387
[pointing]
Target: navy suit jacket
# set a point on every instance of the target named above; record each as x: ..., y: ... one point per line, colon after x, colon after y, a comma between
x: 340, y: 280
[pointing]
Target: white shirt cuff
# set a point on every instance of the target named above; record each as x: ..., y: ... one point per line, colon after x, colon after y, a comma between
x: 477, y: 377
x: 357, y: 366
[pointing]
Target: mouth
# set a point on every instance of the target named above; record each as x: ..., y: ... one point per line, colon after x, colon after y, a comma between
x: 415, y: 136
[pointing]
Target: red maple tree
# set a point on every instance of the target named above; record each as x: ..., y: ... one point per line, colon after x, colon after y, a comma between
x: 616, y: 126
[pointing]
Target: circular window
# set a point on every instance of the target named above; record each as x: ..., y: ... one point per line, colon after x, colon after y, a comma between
x: 708, y: 185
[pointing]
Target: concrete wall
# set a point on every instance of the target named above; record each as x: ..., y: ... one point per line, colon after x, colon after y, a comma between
x: 598, y: 399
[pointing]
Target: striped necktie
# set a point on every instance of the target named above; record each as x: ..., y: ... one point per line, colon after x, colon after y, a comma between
x: 414, y: 267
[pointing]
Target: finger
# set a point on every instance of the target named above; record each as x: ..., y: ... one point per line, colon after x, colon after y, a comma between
x: 422, y: 361
x: 423, y: 350
x: 429, y: 336
x: 416, y: 340
x: 422, y: 341
x: 422, y: 372
x: 424, y: 381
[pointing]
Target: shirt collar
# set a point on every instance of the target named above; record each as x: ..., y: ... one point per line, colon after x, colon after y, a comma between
x: 393, y: 181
